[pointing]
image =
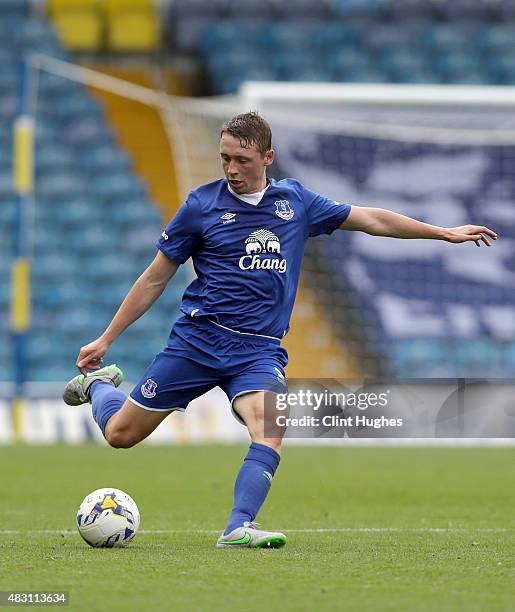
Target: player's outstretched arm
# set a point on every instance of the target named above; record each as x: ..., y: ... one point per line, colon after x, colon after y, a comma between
x: 145, y: 291
x: 381, y: 222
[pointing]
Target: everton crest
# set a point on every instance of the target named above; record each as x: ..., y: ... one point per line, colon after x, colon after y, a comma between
x: 148, y: 389
x: 283, y: 209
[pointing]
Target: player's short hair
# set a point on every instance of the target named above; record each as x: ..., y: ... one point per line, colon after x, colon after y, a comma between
x: 250, y: 129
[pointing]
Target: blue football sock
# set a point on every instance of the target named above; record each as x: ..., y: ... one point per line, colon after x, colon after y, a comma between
x: 105, y: 401
x: 252, y: 484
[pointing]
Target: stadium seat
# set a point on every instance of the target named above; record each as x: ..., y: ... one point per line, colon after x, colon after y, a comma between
x: 119, y: 186
x: 53, y: 157
x: 223, y: 37
x: 60, y: 185
x: 504, y: 10
x: 80, y: 30
x: 55, y: 7
x: 409, y: 10
x: 364, y: 9
x: 76, y: 105
x: 304, y: 9
x: 37, y: 34
x: 287, y: 36
x: 8, y: 79
x: 347, y: 62
x: 137, y: 31
x: 330, y: 37
x: 6, y: 186
x: 104, y: 158
x: 132, y: 25
x: 497, y: 39
x: 451, y: 67
x: 59, y: 294
x: 251, y: 9
x: 119, y: 6
x: 14, y: 8
x: 466, y: 10
x: 86, y: 131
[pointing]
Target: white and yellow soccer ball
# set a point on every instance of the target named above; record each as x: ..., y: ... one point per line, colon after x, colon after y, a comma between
x: 108, y: 518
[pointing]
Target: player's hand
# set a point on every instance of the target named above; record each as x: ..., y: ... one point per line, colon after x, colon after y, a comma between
x: 471, y: 233
x: 91, y: 356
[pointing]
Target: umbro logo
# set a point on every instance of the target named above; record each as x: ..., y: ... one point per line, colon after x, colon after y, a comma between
x: 228, y: 218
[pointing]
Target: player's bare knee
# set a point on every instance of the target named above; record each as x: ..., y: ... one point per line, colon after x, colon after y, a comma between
x: 121, y: 438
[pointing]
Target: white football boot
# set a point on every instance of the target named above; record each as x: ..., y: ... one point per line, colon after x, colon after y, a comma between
x: 250, y: 536
x: 76, y: 390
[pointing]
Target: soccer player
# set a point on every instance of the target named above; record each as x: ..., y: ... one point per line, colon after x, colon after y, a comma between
x: 246, y: 235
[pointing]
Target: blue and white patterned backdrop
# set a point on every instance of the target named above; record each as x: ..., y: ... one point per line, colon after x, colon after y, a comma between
x: 431, y: 308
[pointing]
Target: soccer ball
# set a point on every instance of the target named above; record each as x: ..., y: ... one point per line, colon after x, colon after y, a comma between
x: 108, y: 518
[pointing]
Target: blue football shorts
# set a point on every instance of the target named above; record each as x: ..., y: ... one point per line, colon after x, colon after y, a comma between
x: 201, y: 355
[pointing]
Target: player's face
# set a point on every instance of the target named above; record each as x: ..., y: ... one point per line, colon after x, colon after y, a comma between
x: 244, y: 168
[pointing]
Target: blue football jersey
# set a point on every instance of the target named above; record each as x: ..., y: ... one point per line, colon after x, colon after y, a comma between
x: 247, y: 258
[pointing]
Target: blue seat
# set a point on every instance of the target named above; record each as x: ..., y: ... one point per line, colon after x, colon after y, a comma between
x: 136, y: 211
x: 80, y: 319
x: 228, y: 61
x: 368, y: 74
x: 52, y: 85
x: 229, y: 83
x: 451, y: 66
x: 85, y: 131
x: 53, y: 157
x: 73, y: 215
x: 220, y: 37
x: 252, y: 9
x: 347, y: 62
x: 8, y: 211
x: 104, y: 157
x: 501, y: 68
x: 109, y: 266
x: 330, y: 37
x: 16, y: 9
x: 504, y: 10
x: 94, y: 239
x: 290, y: 66
x: 60, y: 185
x: 412, y: 9
x: 141, y: 241
x: 287, y: 36
x: 402, y: 64
x: 118, y: 186
x: 181, y: 9
x: 6, y: 184
x: 5, y: 159
x: 8, y: 79
x: 36, y: 33
x: 58, y: 294
x: 465, y: 10
x: 497, y: 38
x: 45, y: 133
x: 368, y: 9
x: 450, y: 36
x: 111, y: 295
x: 76, y: 105
x: 53, y: 265
x: 303, y: 9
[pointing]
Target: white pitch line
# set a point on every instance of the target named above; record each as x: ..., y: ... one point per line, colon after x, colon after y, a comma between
x: 312, y: 530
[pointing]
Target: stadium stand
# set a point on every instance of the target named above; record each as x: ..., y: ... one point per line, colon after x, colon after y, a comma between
x: 408, y: 41
x: 89, y: 200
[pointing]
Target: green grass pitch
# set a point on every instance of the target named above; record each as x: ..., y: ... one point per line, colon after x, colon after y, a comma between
x: 369, y: 529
